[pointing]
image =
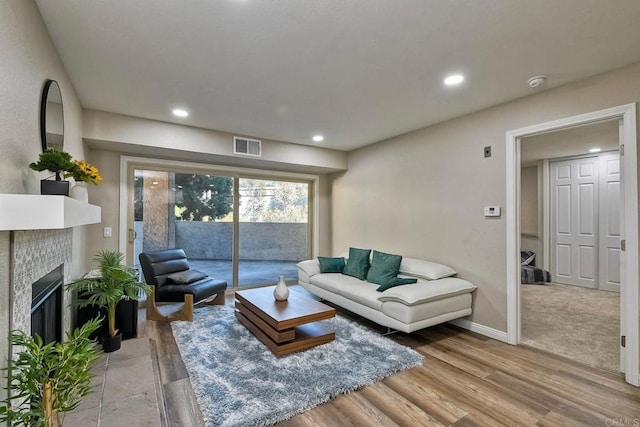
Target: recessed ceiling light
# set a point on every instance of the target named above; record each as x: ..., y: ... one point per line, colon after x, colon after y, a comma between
x: 595, y: 150
x: 454, y: 80
x: 154, y: 183
x: 318, y: 138
x: 178, y: 112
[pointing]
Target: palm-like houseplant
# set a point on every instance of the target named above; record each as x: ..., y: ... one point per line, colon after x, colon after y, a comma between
x: 47, y: 380
x: 116, y: 282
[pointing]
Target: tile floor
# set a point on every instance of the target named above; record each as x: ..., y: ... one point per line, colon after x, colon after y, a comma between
x: 125, y: 390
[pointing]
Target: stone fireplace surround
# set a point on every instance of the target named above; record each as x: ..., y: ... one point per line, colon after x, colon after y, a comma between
x: 33, y: 254
x: 36, y: 236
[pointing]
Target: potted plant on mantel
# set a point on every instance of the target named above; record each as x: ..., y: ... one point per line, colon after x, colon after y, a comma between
x: 57, y: 162
x: 113, y: 283
x: 47, y: 380
x: 82, y: 172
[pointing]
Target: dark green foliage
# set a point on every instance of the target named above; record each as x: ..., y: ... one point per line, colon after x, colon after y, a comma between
x: 203, y: 196
x: 54, y: 161
x: 47, y: 380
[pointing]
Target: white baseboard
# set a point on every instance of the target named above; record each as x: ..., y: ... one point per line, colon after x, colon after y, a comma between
x: 481, y: 329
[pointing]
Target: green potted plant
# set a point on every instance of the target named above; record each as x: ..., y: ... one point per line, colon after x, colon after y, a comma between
x: 57, y: 162
x: 114, y: 283
x: 47, y: 380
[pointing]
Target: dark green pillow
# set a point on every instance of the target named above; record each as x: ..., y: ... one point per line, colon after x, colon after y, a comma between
x: 331, y: 265
x: 384, y: 267
x: 396, y: 281
x: 358, y: 263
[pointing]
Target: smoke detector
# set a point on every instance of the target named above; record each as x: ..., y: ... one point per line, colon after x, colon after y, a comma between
x: 537, y: 82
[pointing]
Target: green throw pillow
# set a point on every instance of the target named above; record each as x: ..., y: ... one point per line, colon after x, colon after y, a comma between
x: 384, y: 267
x: 396, y: 281
x: 331, y: 265
x: 358, y: 263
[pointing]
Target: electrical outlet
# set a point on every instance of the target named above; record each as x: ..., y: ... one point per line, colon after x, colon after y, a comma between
x: 487, y: 151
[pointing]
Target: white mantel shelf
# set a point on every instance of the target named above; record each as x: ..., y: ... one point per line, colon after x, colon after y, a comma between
x: 36, y: 212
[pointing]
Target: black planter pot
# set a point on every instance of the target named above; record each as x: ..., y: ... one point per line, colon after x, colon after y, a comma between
x: 111, y: 344
x: 57, y: 188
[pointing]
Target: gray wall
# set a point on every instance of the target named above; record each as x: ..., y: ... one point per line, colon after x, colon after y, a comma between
x: 107, y: 196
x: 28, y: 58
x: 421, y: 194
x: 150, y: 137
x: 529, y: 200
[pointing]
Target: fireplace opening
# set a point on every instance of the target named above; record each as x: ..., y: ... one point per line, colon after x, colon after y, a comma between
x: 46, y: 306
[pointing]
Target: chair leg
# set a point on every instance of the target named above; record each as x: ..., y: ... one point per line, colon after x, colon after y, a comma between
x: 186, y: 313
x: 218, y: 300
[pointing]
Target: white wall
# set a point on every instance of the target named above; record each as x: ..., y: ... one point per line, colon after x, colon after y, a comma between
x: 421, y: 194
x: 28, y: 59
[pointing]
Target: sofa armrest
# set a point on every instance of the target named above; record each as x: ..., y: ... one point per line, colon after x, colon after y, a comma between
x: 307, y: 269
x: 425, y: 291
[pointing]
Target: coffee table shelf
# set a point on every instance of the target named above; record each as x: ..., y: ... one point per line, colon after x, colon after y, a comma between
x: 284, y: 326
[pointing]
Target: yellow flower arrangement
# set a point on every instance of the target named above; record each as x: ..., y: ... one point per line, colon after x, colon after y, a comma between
x: 84, y: 171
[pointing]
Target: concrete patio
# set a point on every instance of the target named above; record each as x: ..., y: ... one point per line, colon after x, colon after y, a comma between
x: 250, y: 273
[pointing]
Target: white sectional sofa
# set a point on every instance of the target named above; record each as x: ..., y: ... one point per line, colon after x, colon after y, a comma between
x: 434, y: 299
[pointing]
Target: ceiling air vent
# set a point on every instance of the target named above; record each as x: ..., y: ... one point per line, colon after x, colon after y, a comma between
x: 247, y: 147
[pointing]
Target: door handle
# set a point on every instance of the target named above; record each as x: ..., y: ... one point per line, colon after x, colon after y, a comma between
x: 132, y: 235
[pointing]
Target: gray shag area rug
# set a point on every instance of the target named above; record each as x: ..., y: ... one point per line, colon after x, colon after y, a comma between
x: 578, y: 323
x: 239, y: 382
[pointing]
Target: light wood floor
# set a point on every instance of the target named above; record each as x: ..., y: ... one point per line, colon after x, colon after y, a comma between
x: 466, y: 380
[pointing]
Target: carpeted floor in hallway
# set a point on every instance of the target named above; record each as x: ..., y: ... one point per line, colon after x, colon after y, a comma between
x: 579, y: 323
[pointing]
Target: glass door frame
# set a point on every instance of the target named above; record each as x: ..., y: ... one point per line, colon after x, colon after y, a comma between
x: 128, y: 164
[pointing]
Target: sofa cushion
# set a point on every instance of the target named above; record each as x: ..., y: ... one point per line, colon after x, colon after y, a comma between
x: 425, y: 269
x: 358, y: 263
x: 363, y: 293
x: 333, y: 282
x: 187, y: 276
x: 309, y: 268
x: 424, y: 291
x: 331, y: 265
x: 396, y: 281
x: 384, y: 268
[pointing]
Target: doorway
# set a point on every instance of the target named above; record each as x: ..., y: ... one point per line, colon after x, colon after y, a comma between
x: 585, y: 216
x: 629, y: 298
x: 570, y: 180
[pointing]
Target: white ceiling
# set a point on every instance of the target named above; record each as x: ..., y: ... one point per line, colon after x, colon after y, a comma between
x: 570, y: 142
x: 356, y: 71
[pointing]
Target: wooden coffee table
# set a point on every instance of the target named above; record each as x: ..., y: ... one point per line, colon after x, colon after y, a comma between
x: 284, y: 326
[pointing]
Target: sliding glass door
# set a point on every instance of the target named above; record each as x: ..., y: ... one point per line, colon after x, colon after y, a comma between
x: 241, y: 229
x: 189, y: 211
x: 273, y: 230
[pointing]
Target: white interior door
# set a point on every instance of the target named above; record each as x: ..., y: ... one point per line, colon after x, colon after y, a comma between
x: 574, y: 221
x: 609, y: 236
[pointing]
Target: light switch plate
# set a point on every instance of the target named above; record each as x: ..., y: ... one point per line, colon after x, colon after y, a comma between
x: 107, y: 232
x: 492, y: 211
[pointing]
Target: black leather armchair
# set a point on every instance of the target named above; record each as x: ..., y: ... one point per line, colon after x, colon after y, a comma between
x: 171, y: 280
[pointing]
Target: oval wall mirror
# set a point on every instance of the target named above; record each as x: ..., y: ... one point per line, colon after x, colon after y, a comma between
x: 51, y: 117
